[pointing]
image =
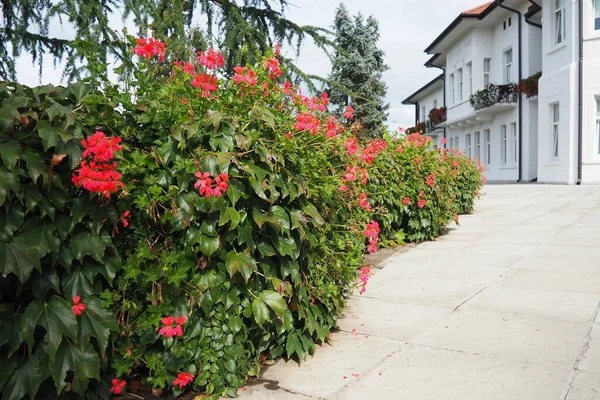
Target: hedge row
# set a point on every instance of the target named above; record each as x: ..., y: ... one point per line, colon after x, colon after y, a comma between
x: 181, y: 232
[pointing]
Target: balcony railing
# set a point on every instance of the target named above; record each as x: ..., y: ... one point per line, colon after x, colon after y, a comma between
x: 529, y: 86
x: 494, y: 94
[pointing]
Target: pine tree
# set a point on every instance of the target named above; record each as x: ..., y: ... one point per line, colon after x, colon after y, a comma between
x: 356, y: 77
x: 240, y: 29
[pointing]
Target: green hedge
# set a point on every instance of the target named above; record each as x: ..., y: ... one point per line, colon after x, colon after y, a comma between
x: 158, y: 282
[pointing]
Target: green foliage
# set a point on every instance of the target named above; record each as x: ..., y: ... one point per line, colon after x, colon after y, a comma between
x: 55, y: 244
x: 356, y: 73
x: 258, y: 272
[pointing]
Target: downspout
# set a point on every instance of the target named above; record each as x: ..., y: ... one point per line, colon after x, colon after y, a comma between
x: 499, y: 3
x: 580, y: 108
x: 444, y: 93
x: 531, y: 22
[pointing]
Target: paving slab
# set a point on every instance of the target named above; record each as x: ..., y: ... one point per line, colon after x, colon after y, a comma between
x: 549, y: 305
x: 422, y: 373
x: 323, y: 374
x: 509, y: 336
x: 585, y: 386
x: 551, y: 281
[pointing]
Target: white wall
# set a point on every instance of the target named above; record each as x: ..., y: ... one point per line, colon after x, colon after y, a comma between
x: 427, y: 101
x: 458, y: 56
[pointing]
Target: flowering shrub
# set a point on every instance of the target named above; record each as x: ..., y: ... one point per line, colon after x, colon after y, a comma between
x: 529, y: 86
x: 493, y: 94
x: 193, y: 226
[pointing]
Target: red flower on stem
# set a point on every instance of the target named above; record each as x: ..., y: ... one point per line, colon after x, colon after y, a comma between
x: 205, y: 184
x: 78, y: 307
x: 183, y: 379
x: 168, y: 330
x: 206, y: 83
x: 406, y: 201
x: 349, y: 113
x: 364, y: 203
x: 124, y: 219
x: 421, y: 203
x: 210, y: 59
x: 244, y: 74
x: 117, y: 386
x: 307, y: 122
x: 149, y: 48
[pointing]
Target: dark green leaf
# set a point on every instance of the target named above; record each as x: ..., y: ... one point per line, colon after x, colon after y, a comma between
x: 274, y: 300
x: 260, y: 311
x: 240, y: 262
x: 10, y: 152
x: 312, y: 211
x: 25, y: 380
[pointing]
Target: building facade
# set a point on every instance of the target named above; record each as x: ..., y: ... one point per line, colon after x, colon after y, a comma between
x: 522, y: 127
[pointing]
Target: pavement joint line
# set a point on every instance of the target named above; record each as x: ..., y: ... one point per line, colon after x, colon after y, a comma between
x: 584, y: 348
x: 479, y: 291
x: 367, y: 371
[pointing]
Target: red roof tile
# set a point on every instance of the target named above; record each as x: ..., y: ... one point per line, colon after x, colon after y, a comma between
x: 479, y: 9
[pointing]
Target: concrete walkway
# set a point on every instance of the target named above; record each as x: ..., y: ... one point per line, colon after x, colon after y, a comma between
x: 502, y: 307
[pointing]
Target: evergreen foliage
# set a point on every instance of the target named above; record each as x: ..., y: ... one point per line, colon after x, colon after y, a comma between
x: 240, y: 29
x: 357, y: 68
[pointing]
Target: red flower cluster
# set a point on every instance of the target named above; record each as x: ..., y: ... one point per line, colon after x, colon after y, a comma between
x: 186, y: 67
x: 372, y: 233
x: 314, y: 103
x: 333, y: 127
x: 349, y: 113
x: 150, y: 48
x: 117, y: 386
x: 369, y: 153
x: 365, y: 274
x: 207, y: 84
x: 272, y: 65
x: 364, y: 202
x: 351, y: 145
x: 307, y: 122
x: 210, y: 59
x: 406, y: 201
x: 205, y: 183
x: 168, y: 330
x: 431, y: 180
x: 183, y: 378
x: 418, y: 140
x: 78, y: 307
x: 244, y: 74
x: 422, y: 203
x: 99, y: 175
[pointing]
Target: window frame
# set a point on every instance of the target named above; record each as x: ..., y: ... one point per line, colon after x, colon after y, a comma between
x: 503, y: 146
x: 555, y: 130
x: 456, y: 143
x: 460, y: 78
x: 559, y: 13
x: 423, y: 113
x: 597, y: 98
x: 452, y: 91
x: 435, y: 104
x: 470, y: 77
x: 451, y: 143
x: 596, y: 15
x: 508, y: 64
x: 487, y: 74
x: 514, y: 143
x: 477, y: 145
x: 487, y: 137
x: 469, y: 145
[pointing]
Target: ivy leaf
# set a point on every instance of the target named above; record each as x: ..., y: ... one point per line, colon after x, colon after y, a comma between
x: 51, y: 135
x: 247, y: 236
x: 294, y: 345
x: 76, y: 283
x: 26, y: 379
x: 10, y: 152
x: 84, y: 243
x: 20, y: 256
x: 260, y: 311
x: 43, y: 281
x: 209, y: 245
x: 240, y: 262
x: 230, y: 214
x: 82, y: 361
x: 286, y: 246
x: 312, y: 211
x: 274, y: 300
x: 96, y: 321
x: 7, y: 367
x: 36, y: 166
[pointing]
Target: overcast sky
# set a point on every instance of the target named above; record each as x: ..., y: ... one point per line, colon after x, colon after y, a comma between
x: 406, y: 27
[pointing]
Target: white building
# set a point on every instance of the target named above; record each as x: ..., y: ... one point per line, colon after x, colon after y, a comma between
x: 550, y: 134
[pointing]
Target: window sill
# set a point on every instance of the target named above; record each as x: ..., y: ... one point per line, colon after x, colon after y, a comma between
x: 508, y: 167
x: 554, y: 163
x: 459, y: 103
x: 558, y: 47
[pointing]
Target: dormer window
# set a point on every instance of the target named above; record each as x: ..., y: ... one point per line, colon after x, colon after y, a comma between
x: 559, y: 22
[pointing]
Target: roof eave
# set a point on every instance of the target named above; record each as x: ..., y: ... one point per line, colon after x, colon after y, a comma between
x: 408, y: 100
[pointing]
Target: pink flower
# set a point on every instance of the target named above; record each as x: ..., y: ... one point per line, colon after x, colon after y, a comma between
x: 78, y: 307
x: 183, y: 379
x: 431, y: 180
x: 406, y: 201
x: 343, y: 188
x: 444, y: 141
x: 168, y: 330
x: 205, y: 184
x: 364, y: 203
x: 422, y: 203
x: 210, y: 59
x: 244, y: 75
x: 349, y: 113
x: 351, y: 145
x: 307, y: 122
x: 272, y: 65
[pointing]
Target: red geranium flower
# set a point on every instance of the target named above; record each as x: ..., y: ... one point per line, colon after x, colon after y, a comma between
x: 210, y: 59
x: 78, y: 307
x: 183, y: 378
x: 117, y: 386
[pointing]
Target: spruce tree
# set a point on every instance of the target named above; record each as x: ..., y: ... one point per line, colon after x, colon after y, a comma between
x: 241, y: 29
x: 356, y: 75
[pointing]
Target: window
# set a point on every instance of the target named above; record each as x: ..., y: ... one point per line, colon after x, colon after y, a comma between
x: 598, y: 122
x: 487, y: 67
x: 597, y: 15
x: 488, y: 146
x: 451, y: 143
x: 477, y: 139
x: 435, y: 104
x: 509, y: 21
x: 555, y: 132
x: 559, y: 21
x: 460, y: 84
x: 514, y: 146
x: 508, y: 61
x: 456, y: 143
x: 503, y: 145
x: 470, y: 78
x: 469, y: 150
x: 504, y: 25
x: 423, y: 114
x: 453, y: 97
